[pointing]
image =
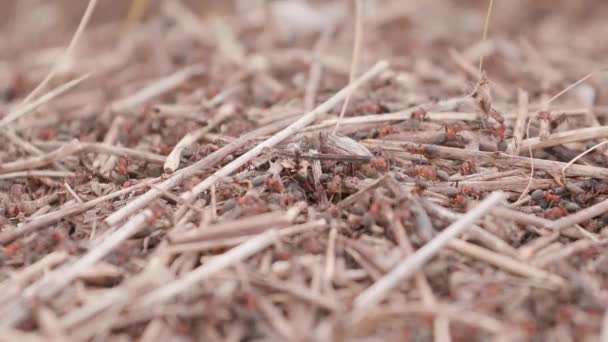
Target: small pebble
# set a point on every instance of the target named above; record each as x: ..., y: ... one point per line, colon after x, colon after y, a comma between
x: 570, y: 206
x: 502, y: 146
x: 258, y: 180
x: 537, y: 195
x: 575, y: 189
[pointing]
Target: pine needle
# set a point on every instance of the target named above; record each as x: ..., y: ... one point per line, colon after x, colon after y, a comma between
x: 356, y: 56
x: 486, y: 25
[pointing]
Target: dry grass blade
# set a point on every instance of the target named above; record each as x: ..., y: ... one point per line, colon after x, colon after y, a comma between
x: 357, y: 46
x: 67, y: 55
x: 37, y: 173
x: 375, y: 293
x: 43, y: 221
x: 507, y: 263
x: 157, y: 88
x: 213, y: 266
x: 31, y: 106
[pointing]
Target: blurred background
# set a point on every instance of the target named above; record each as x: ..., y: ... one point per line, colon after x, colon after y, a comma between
x: 568, y: 35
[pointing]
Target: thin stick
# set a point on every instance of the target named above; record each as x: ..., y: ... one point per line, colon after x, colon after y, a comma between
x: 576, y: 135
x: 46, y: 288
x: 375, y: 293
x: 38, y: 173
x: 354, y: 197
x: 74, y: 147
x: 174, y: 158
x: 356, y: 57
x: 581, y: 216
x: 216, y: 264
x: 42, y: 221
x: 287, y: 132
x: 157, y: 88
x: 25, y: 145
x: 568, y: 88
x: 523, y: 193
x: 579, y: 157
x: 67, y: 274
x: 507, y: 263
x: 486, y: 26
x: 330, y: 261
x: 31, y: 106
x: 520, y: 123
x: 67, y: 54
x: 495, y: 158
x: 604, y: 337
x: 45, y: 159
x: 316, y: 70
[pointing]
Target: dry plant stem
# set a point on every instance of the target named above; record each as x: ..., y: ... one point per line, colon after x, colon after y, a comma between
x: 507, y: 263
x: 43, y: 221
x: 316, y: 70
x: 276, y: 318
x: 494, y: 158
x: 581, y: 134
x: 27, y: 274
x: 473, y: 73
x: 49, y: 324
x: 296, y: 290
x: 109, y: 139
x: 545, y: 259
x: 113, y: 150
x: 375, y: 293
x: 176, y: 199
x: 74, y: 147
x: 157, y: 88
x: 486, y: 26
x: 173, y: 159
x: 25, y: 145
x: 451, y: 311
x: 406, y: 114
x: 482, y: 235
x: 245, y: 226
x: 520, y: 123
x: 330, y: 261
x: 32, y: 106
x: 569, y: 164
x: 67, y: 55
x: 581, y: 216
x: 441, y: 324
x: 37, y: 173
x: 519, y: 217
x: 354, y: 197
x: 52, y: 284
x: 604, y: 336
x: 35, y: 162
x: 178, y: 177
x: 65, y: 275
x: 216, y: 264
x: 204, y: 246
x: 286, y: 133
x: 122, y: 151
x: 571, y: 86
x: 356, y: 57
